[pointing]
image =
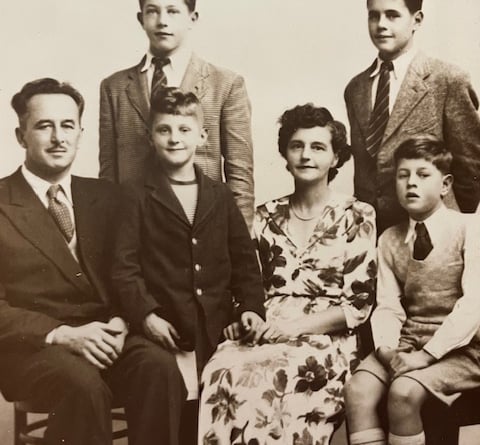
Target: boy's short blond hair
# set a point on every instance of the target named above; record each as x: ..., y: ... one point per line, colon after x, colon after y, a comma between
x: 175, y: 101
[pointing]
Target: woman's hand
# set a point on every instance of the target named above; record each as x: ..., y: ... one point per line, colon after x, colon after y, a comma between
x: 277, y: 332
x: 248, y: 329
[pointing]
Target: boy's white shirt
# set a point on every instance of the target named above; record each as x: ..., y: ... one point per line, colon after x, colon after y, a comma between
x: 187, y: 364
x: 462, y: 323
x: 400, y: 68
x: 175, y: 70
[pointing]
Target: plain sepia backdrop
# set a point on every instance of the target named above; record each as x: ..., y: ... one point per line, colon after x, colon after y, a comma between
x: 289, y: 51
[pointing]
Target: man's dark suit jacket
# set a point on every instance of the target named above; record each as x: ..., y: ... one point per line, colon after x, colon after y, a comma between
x: 435, y: 98
x: 41, y: 285
x: 163, y: 264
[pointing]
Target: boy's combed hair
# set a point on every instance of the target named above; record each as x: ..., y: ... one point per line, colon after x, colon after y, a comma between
x: 309, y: 116
x: 46, y: 85
x: 412, y: 5
x: 425, y: 147
x: 175, y: 101
x: 191, y: 4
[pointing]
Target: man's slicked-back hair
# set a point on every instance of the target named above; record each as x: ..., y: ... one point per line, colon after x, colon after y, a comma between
x: 425, y: 147
x: 46, y: 85
x: 175, y: 101
x: 191, y: 4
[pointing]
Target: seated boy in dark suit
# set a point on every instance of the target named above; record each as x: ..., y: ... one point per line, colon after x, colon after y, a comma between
x: 183, y: 252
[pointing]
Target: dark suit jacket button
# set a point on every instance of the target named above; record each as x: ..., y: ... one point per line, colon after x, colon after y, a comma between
x: 78, y: 274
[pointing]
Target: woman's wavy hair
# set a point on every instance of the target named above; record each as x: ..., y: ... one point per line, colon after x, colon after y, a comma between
x: 309, y: 116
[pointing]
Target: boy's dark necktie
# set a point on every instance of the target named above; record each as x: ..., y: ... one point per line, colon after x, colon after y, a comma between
x: 423, y: 245
x: 159, y: 79
x: 380, y: 113
x: 60, y: 212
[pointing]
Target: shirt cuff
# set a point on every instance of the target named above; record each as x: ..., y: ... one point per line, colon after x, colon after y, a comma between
x: 50, y: 336
x: 434, y: 349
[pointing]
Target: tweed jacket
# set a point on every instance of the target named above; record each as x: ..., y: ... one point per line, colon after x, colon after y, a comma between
x: 166, y: 265
x: 435, y: 98
x: 41, y: 284
x: 125, y: 147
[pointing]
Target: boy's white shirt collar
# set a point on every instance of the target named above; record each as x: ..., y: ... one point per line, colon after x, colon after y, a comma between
x: 178, y: 60
x: 40, y: 186
x: 433, y: 224
x: 400, y: 64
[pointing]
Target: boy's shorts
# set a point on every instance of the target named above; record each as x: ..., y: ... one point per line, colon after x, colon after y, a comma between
x: 445, y: 379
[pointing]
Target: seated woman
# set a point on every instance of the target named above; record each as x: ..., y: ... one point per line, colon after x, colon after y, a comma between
x: 317, y: 252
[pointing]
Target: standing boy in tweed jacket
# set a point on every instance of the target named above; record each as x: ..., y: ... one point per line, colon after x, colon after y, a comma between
x: 418, y: 95
x: 125, y: 149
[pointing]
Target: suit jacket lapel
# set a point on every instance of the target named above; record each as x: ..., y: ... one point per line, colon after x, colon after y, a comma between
x: 30, y: 217
x: 157, y: 184
x: 207, y: 190
x: 88, y: 237
x: 412, y: 90
x: 137, y: 91
x: 362, y: 99
x: 195, y: 78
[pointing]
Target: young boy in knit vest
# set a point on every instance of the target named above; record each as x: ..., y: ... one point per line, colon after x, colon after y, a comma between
x: 428, y: 313
x: 182, y: 255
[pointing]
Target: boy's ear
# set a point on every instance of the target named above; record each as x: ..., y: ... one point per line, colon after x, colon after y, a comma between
x: 446, y: 185
x: 194, y: 17
x: 418, y: 18
x: 140, y: 18
x: 204, y: 135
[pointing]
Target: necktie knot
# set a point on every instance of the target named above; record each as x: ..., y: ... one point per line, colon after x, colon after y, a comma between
x: 386, y: 66
x: 53, y: 191
x: 420, y: 229
x: 160, y: 62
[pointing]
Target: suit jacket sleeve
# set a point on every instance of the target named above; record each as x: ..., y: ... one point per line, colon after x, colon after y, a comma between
x: 128, y: 281
x: 108, y: 149
x: 18, y: 325
x: 237, y: 150
x: 246, y: 283
x: 462, y: 135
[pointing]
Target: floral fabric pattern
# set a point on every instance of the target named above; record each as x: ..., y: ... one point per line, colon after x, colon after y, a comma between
x: 291, y: 392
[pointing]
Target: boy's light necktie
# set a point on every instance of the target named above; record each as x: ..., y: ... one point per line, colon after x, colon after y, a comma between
x: 60, y: 212
x: 422, y: 245
x: 380, y: 113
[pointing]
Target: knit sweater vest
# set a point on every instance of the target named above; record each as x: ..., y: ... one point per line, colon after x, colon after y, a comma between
x: 432, y: 286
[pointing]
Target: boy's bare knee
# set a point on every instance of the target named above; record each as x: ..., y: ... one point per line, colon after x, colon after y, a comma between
x: 405, y: 393
x: 359, y: 393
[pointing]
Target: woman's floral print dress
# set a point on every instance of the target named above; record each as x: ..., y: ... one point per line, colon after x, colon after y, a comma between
x: 291, y: 392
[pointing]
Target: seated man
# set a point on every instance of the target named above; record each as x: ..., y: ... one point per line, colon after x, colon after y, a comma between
x: 62, y: 342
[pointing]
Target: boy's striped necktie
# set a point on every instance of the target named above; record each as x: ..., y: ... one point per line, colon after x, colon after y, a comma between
x: 380, y: 113
x: 159, y: 79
